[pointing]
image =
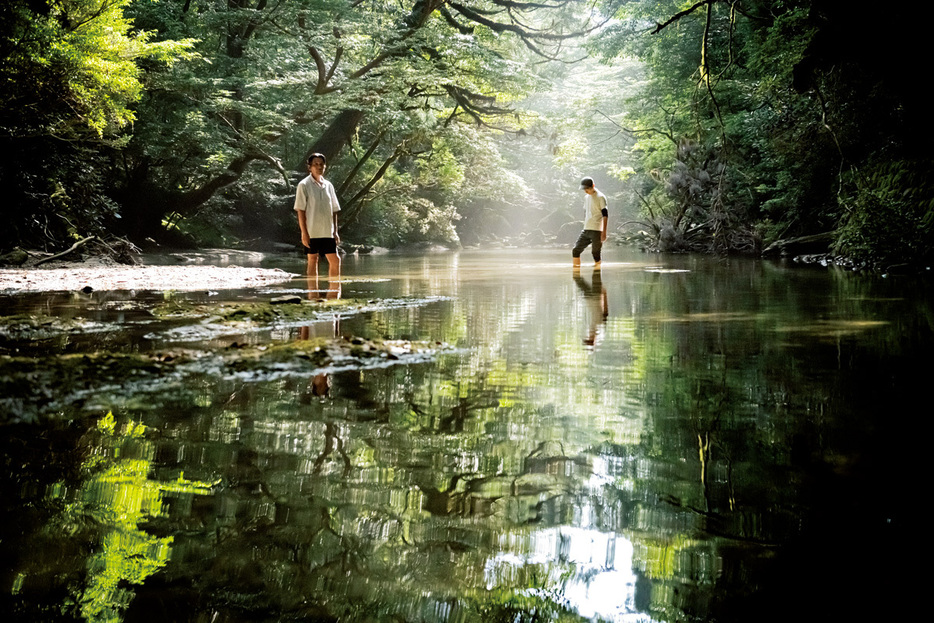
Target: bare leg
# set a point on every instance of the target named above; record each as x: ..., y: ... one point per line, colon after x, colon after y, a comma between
x: 334, y: 266
x: 313, y: 287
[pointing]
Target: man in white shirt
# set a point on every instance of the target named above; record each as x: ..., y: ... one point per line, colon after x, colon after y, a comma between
x: 317, y: 208
x: 595, y: 223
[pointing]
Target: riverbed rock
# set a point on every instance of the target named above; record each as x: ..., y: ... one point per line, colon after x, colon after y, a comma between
x: 286, y: 300
x: 16, y: 257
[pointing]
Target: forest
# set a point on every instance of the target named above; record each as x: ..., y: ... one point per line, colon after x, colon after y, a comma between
x: 715, y: 126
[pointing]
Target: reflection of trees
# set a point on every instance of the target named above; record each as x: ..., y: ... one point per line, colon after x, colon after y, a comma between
x: 739, y: 427
x: 455, y: 417
x: 405, y: 493
x: 332, y: 442
x: 404, y: 524
x: 101, y: 519
x: 463, y: 494
x: 423, y: 488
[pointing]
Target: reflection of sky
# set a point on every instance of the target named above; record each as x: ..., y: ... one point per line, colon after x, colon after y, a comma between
x: 603, y: 585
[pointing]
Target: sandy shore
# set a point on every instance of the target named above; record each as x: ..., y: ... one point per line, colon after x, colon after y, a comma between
x: 102, y: 274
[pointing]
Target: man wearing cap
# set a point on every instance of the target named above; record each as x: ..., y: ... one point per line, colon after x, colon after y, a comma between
x: 595, y: 221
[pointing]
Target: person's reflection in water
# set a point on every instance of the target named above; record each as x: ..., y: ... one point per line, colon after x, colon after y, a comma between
x: 322, y: 329
x: 597, y: 309
x: 321, y: 385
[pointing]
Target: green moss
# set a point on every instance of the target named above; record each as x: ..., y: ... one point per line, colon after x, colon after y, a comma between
x: 258, y: 312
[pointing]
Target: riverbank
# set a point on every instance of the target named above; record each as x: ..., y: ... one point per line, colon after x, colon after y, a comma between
x: 101, y: 273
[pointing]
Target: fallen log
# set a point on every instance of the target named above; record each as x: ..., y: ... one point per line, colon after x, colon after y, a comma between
x: 73, y: 248
x: 815, y: 243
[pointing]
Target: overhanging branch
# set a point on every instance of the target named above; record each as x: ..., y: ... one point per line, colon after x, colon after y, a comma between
x: 677, y: 16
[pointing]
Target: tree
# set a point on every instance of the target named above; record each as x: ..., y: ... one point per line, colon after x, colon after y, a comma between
x: 280, y: 80
x: 791, y: 103
x: 69, y: 73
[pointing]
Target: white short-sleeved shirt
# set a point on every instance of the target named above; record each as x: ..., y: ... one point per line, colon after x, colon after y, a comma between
x: 593, y: 211
x: 319, y: 202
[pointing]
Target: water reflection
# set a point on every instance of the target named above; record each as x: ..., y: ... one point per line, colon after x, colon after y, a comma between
x: 595, y: 297
x: 605, y: 583
x: 98, y: 526
x: 320, y: 383
x: 692, y: 459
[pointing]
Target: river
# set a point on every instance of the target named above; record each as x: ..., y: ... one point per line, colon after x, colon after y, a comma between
x: 670, y: 438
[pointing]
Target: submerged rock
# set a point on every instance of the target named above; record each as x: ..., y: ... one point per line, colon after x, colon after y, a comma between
x: 282, y: 300
x: 44, y: 386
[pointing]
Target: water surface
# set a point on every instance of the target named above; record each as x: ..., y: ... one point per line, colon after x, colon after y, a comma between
x: 670, y: 438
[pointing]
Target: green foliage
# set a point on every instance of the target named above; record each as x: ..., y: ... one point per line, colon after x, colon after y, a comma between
x: 56, y: 191
x: 116, y: 496
x: 892, y: 214
x: 780, y: 95
x: 70, y: 68
x: 274, y: 81
x: 686, y: 170
x: 775, y: 51
x: 777, y: 93
x: 69, y: 77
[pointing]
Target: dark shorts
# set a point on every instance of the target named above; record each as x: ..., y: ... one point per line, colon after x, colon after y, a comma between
x: 321, y: 246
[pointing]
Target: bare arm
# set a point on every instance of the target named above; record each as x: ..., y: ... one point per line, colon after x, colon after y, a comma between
x: 303, y: 227
x: 300, y: 211
x: 606, y: 219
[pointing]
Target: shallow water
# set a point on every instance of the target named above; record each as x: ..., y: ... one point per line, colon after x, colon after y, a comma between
x: 667, y: 439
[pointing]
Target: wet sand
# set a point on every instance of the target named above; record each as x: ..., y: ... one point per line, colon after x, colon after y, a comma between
x: 100, y: 274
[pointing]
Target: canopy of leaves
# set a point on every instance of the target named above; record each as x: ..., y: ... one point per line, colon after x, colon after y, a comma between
x: 376, y: 87
x: 69, y: 77
x: 791, y: 103
x: 728, y: 124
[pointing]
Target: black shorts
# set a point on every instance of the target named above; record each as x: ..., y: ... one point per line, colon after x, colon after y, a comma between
x: 321, y: 246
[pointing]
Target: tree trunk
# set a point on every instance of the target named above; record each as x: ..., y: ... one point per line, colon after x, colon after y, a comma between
x: 815, y: 243
x: 146, y: 206
x: 336, y: 136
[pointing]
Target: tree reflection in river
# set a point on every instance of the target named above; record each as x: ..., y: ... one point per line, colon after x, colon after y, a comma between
x: 721, y: 453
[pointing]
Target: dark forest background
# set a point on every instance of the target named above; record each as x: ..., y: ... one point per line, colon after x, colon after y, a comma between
x: 717, y: 126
